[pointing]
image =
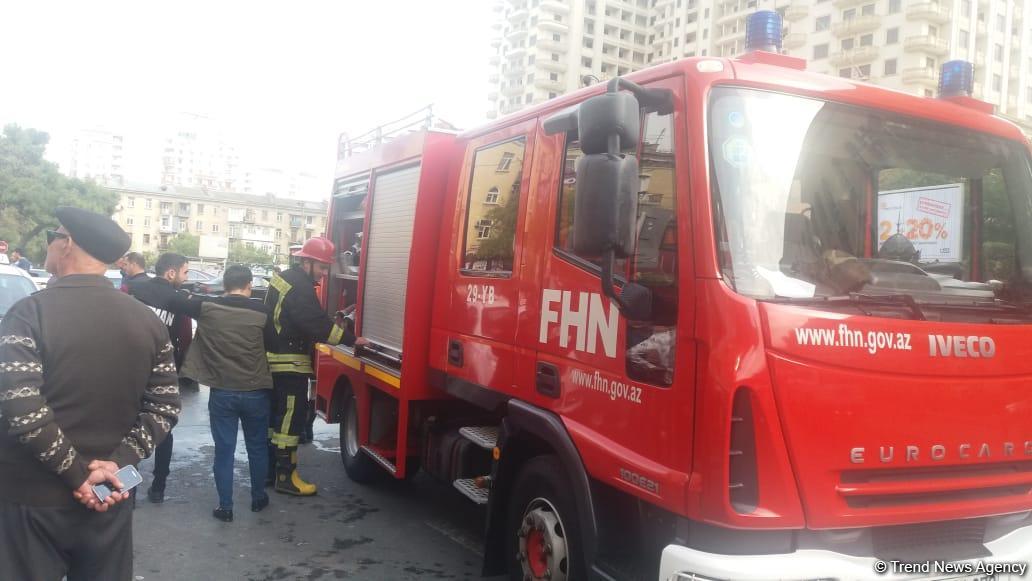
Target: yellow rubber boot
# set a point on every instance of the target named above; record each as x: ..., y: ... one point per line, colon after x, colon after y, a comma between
x: 288, y: 481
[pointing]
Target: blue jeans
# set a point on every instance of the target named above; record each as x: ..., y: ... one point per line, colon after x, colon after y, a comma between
x: 251, y: 409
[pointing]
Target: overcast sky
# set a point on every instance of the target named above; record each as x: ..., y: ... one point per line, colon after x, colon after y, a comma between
x: 285, y: 78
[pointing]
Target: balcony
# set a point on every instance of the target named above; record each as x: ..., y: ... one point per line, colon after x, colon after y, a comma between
x: 927, y: 43
x: 549, y: 85
x: 519, y: 14
x: 858, y: 25
x: 921, y: 75
x: 493, y: 78
x: 857, y: 56
x: 512, y: 90
x: 553, y: 46
x: 516, y: 34
x: 515, y: 72
x: 930, y: 11
x: 555, y: 6
x: 167, y: 229
x: 794, y: 41
x: 553, y: 26
x: 496, y: 42
x: 847, y: 3
x: 797, y: 11
x: 550, y: 65
x: 492, y: 96
x: 517, y: 51
x: 494, y: 61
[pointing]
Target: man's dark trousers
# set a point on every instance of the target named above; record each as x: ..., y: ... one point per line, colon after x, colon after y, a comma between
x: 162, y: 462
x: 98, y: 544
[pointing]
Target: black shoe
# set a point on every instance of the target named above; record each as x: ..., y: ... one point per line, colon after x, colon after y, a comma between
x: 156, y: 494
x: 259, y: 505
x: 223, y: 514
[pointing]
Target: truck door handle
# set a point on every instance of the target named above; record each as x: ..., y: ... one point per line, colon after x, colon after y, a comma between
x: 548, y: 380
x: 455, y: 352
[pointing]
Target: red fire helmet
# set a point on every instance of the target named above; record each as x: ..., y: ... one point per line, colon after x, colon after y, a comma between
x: 317, y: 248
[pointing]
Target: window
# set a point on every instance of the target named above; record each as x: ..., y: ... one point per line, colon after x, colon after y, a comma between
x: 184, y: 208
x: 892, y: 36
x: 506, y: 161
x: 528, y: 98
x: 867, y: 10
x: 557, y: 37
x: 932, y: 30
x: 820, y: 51
x: 492, y: 196
x: 555, y: 57
x: 586, y: 62
x: 1001, y: 23
x: 146, y: 221
x: 867, y: 40
x: 865, y: 71
x: 200, y: 209
x: 849, y: 14
x: 309, y: 220
x: 848, y: 43
x: 131, y: 202
x: 129, y: 221
x: 165, y: 222
x: 279, y: 233
x: 845, y: 73
x: 199, y: 226
x: 483, y: 228
x: 895, y: 6
x: 182, y: 225
x: 823, y: 23
x: 553, y: 95
x: 930, y: 63
x: 553, y: 76
x: 650, y: 351
x: 890, y: 67
x: 265, y: 215
x: 147, y: 204
x: 279, y: 216
x: 215, y: 228
x: 166, y: 206
x: 997, y: 83
x: 998, y: 53
x: 963, y: 38
x: 965, y: 8
x: 146, y: 239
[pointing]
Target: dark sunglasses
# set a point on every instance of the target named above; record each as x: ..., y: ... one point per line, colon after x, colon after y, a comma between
x: 54, y: 235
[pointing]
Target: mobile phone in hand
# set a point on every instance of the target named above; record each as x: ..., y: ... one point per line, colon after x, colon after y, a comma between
x: 127, y: 475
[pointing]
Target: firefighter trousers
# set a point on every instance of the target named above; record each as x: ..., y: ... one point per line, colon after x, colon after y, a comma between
x: 289, y: 409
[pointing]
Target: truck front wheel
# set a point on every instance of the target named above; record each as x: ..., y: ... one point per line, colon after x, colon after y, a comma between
x: 543, y: 533
x: 359, y: 466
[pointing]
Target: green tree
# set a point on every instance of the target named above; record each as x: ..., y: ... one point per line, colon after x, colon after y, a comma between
x: 497, y: 248
x: 186, y: 244
x: 240, y: 253
x: 31, y: 187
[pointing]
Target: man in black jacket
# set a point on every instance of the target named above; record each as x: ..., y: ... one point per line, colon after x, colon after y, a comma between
x: 133, y: 267
x: 158, y: 293
x: 87, y: 385
x: 299, y: 321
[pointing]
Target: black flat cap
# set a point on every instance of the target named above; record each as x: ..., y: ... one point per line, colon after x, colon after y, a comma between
x: 95, y: 233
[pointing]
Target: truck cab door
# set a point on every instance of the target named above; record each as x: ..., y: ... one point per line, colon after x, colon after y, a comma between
x: 485, y: 266
x: 624, y: 389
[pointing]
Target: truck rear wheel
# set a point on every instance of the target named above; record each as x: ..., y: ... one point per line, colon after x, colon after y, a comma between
x: 359, y: 466
x: 542, y: 531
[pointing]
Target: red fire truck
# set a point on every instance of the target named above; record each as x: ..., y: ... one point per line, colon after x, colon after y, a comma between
x: 719, y: 319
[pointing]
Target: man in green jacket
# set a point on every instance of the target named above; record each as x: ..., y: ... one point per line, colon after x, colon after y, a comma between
x: 228, y: 355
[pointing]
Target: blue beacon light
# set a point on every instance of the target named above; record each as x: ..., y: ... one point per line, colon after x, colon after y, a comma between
x: 957, y: 79
x: 763, y: 31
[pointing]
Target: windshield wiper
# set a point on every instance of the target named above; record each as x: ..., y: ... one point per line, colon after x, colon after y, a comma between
x: 859, y: 300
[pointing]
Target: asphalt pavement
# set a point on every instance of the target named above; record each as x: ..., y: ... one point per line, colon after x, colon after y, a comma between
x: 420, y: 529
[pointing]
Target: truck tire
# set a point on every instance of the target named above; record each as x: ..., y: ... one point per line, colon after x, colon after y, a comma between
x: 358, y: 465
x: 543, y: 538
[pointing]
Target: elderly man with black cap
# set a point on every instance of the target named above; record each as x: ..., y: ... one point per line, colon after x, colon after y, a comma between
x: 87, y: 385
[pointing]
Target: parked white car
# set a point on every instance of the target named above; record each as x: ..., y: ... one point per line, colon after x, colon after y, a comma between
x: 40, y: 277
x: 15, y: 284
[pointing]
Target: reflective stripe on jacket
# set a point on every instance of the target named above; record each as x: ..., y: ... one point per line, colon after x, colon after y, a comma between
x: 298, y: 323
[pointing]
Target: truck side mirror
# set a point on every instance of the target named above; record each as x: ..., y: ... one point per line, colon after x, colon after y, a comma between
x: 606, y: 205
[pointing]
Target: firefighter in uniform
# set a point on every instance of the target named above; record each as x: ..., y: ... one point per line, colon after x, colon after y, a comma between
x: 298, y: 321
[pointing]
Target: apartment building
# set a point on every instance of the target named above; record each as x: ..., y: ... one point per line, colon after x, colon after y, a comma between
x: 154, y: 214
x: 894, y: 43
x: 196, y: 154
x: 91, y: 154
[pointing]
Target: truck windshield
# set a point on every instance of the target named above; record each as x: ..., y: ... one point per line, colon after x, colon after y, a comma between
x: 816, y: 200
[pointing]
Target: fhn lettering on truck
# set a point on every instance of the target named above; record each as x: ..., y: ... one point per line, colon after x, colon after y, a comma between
x: 591, y: 318
x: 972, y: 346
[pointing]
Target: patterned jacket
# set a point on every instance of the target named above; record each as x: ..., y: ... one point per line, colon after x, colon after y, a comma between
x: 86, y: 372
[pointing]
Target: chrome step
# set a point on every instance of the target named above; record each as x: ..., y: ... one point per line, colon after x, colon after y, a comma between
x: 484, y: 436
x: 469, y: 489
x: 380, y: 459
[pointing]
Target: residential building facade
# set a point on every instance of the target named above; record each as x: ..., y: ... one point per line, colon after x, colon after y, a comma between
x: 154, y: 214
x: 197, y: 155
x: 894, y: 43
x: 91, y: 154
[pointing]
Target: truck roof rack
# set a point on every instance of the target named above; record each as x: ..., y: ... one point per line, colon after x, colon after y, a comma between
x: 420, y: 120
